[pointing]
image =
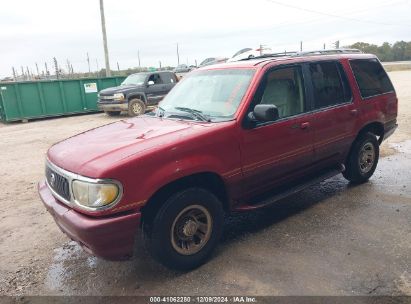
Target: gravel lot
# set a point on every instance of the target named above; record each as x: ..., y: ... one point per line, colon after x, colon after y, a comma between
x: 332, y: 239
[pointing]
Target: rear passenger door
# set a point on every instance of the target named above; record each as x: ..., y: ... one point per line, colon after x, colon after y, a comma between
x: 335, y: 114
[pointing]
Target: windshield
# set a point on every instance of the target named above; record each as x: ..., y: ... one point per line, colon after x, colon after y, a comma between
x: 214, y: 93
x: 136, y: 79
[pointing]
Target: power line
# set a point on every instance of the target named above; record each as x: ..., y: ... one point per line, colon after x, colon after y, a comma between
x: 333, y: 15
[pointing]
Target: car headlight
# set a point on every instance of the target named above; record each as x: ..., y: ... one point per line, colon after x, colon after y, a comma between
x: 95, y: 195
x: 118, y: 96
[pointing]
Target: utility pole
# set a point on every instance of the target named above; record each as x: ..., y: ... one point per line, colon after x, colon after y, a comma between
x: 47, y: 70
x: 103, y: 28
x: 14, y: 74
x: 337, y: 44
x: 160, y: 64
x: 138, y: 55
x: 88, y: 63
x: 56, y: 67
x: 178, y: 56
x: 118, y: 67
x: 37, y: 68
x: 68, y: 68
x: 301, y: 46
x: 324, y: 46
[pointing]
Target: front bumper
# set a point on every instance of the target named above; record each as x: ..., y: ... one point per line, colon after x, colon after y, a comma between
x: 111, y: 238
x: 113, y: 106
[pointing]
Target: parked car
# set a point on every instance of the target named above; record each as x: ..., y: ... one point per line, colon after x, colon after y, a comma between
x: 236, y: 138
x: 183, y: 68
x: 212, y: 60
x: 136, y: 93
x: 248, y: 53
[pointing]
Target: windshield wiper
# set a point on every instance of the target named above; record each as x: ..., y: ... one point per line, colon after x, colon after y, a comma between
x: 160, y: 112
x: 196, y: 113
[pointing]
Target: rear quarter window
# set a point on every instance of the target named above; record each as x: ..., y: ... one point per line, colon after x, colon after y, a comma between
x: 371, y: 77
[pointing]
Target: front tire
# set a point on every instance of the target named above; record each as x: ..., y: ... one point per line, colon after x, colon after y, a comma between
x: 363, y: 159
x: 136, y: 107
x: 186, y: 229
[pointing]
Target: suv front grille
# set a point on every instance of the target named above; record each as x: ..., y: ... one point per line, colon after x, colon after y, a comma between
x: 106, y: 98
x: 58, y: 183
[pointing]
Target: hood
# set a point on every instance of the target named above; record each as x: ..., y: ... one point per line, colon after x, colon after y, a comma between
x: 92, y: 152
x: 120, y: 89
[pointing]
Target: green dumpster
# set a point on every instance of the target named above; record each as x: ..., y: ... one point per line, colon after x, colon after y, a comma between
x: 36, y: 99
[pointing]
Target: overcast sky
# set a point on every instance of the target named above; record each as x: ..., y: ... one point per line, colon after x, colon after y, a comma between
x: 37, y: 31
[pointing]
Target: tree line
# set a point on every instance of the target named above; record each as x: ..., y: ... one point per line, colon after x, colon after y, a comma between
x: 399, y: 51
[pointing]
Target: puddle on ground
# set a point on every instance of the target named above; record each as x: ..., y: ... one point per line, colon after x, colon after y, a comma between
x: 58, y: 271
x: 75, y: 272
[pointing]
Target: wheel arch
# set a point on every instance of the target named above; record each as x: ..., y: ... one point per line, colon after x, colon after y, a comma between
x: 210, y: 181
x: 139, y: 95
x: 376, y: 128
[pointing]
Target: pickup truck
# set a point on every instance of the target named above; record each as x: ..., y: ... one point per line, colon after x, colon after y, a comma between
x: 136, y: 93
x: 228, y: 138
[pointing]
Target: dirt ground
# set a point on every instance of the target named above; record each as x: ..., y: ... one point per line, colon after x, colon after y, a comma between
x: 332, y: 239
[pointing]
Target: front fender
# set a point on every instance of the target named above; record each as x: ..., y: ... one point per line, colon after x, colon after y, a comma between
x: 180, y: 168
x: 139, y: 95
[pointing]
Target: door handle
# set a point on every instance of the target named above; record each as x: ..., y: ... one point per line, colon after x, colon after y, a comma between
x: 354, y: 112
x: 305, y: 125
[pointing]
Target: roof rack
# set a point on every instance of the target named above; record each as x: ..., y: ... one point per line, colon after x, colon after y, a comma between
x: 271, y: 55
x: 308, y: 53
x: 329, y: 52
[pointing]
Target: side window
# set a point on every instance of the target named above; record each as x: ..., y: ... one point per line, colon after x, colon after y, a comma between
x: 167, y: 78
x: 155, y: 78
x: 371, y: 77
x: 284, y: 88
x: 330, y: 84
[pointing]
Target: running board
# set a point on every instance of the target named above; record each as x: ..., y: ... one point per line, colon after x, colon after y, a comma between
x: 287, y: 190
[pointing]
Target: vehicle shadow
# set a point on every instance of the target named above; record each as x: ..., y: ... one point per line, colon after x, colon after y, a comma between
x: 239, y: 225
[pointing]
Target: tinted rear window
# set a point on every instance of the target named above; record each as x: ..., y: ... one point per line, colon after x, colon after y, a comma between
x: 371, y: 77
x: 330, y: 84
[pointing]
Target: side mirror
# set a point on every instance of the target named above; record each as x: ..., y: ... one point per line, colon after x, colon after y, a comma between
x: 265, y: 112
x: 150, y: 83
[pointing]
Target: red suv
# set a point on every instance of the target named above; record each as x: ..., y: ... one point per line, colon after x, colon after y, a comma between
x: 229, y: 137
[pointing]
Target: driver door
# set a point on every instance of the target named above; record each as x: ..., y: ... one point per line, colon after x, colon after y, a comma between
x: 155, y: 92
x: 275, y: 151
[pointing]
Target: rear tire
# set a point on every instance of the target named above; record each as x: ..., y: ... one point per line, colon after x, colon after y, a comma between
x: 186, y: 229
x: 136, y: 107
x: 363, y: 159
x: 112, y: 113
